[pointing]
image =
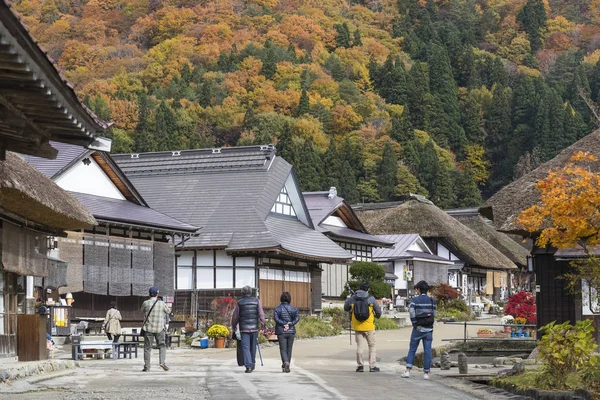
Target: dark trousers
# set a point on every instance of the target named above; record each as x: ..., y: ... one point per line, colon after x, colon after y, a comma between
x: 286, y: 342
x: 249, y: 343
x: 111, y: 336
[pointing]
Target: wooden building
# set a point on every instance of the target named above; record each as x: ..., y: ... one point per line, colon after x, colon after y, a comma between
x: 131, y: 248
x: 332, y: 216
x: 255, y: 227
x: 473, y: 257
x: 410, y: 261
x: 554, y: 301
x: 36, y: 106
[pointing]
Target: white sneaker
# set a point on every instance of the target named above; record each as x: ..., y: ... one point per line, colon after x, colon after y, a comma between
x: 426, y: 377
x: 406, y: 374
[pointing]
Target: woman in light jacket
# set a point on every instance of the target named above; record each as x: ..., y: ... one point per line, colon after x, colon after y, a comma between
x: 112, y: 322
x: 286, y: 317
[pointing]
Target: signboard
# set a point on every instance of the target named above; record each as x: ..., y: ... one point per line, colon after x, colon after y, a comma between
x: 537, y: 289
x: 465, y: 285
x: 453, y: 279
x: 589, y: 299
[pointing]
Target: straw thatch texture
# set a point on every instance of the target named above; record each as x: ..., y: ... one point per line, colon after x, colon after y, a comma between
x: 505, y: 206
x: 418, y: 215
x: 71, y: 251
x: 23, y: 251
x: 26, y: 192
x: 57, y: 274
x: 501, y: 241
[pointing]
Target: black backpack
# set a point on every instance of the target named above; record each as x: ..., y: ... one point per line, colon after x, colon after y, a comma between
x: 362, y: 311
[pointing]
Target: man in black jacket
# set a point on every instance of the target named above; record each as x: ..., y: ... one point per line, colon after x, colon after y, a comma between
x: 248, y: 313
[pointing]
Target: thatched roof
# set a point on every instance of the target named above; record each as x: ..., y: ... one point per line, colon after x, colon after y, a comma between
x: 421, y: 216
x: 485, y: 228
x: 29, y: 194
x: 505, y: 206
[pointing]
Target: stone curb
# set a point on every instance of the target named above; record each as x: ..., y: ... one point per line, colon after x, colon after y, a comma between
x: 25, y: 370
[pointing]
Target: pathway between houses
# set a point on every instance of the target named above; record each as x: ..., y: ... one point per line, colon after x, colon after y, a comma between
x: 321, y: 369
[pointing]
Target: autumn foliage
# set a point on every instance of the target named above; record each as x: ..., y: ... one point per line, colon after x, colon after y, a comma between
x: 522, y: 305
x: 468, y: 94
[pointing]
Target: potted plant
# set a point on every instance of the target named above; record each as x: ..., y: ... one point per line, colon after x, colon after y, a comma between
x: 219, y: 333
x: 485, y: 332
x: 507, y: 320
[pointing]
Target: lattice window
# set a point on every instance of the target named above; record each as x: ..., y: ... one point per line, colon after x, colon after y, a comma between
x: 283, y: 204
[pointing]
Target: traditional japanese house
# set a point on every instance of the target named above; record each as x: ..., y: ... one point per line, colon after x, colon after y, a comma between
x: 504, y: 282
x: 36, y: 106
x: 131, y: 248
x: 410, y: 261
x: 256, y: 228
x: 332, y: 216
x: 473, y: 257
x: 554, y: 301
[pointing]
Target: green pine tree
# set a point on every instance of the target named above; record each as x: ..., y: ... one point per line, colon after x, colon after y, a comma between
x: 144, y: 136
x: 443, y: 190
x: 499, y: 141
x: 408, y: 183
x: 387, y: 178
x: 418, y: 87
x: 357, y: 38
x: 292, y: 53
x: 269, y: 60
x: 392, y: 81
x: 309, y: 168
x: 467, y: 192
x: 165, y: 128
x: 428, y: 167
x: 342, y: 37
x: 533, y: 17
x: 303, y: 105
x: 402, y: 130
x: 285, y: 145
x: 347, y: 184
x: 332, y: 165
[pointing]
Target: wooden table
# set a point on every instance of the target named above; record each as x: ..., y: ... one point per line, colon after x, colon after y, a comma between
x: 100, y: 347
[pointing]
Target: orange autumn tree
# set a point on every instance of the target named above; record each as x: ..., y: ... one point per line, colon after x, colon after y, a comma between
x: 569, y: 216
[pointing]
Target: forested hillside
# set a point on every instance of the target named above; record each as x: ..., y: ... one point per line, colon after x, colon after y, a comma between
x: 448, y: 98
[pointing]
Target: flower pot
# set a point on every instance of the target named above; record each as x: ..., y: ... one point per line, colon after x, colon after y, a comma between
x: 220, y: 343
x: 507, y: 329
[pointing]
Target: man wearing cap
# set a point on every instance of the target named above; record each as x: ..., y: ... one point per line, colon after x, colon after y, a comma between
x: 155, y: 314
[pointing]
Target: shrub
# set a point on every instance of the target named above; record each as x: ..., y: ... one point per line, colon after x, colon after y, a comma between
x: 455, y: 308
x: 310, y: 327
x: 339, y: 318
x: 385, y: 324
x: 374, y: 273
x: 522, y: 305
x: 443, y: 293
x: 565, y: 349
x: 591, y: 375
x: 217, y: 331
x: 223, y: 309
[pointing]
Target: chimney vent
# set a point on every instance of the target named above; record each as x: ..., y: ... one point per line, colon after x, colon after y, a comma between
x: 135, y: 156
x: 332, y: 192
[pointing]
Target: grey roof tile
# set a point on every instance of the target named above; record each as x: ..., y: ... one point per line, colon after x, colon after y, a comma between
x: 228, y: 193
x: 104, y: 208
x: 67, y: 153
x: 350, y: 234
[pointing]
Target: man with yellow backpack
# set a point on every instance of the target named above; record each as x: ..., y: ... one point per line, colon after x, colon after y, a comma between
x: 364, y: 309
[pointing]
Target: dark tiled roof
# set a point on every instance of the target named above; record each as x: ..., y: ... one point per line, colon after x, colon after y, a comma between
x: 401, y: 249
x: 298, y: 238
x: 67, y: 153
x: 320, y: 205
x: 229, y: 192
x: 116, y: 210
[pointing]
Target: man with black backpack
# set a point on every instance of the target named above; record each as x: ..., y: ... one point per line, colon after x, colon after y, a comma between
x: 364, y: 310
x: 422, y: 315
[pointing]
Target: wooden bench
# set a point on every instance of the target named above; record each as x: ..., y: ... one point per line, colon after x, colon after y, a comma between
x: 169, y: 340
x: 127, y: 348
x: 99, y: 349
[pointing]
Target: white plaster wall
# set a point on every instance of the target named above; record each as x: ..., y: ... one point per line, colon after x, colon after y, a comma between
x: 89, y: 179
x: 334, y: 221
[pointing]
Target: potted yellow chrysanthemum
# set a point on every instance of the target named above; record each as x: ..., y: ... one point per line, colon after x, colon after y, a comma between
x: 219, y: 333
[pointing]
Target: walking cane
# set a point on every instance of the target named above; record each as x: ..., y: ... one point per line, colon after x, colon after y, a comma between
x: 259, y: 354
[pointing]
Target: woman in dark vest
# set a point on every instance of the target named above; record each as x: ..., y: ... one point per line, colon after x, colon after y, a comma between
x: 286, y: 317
